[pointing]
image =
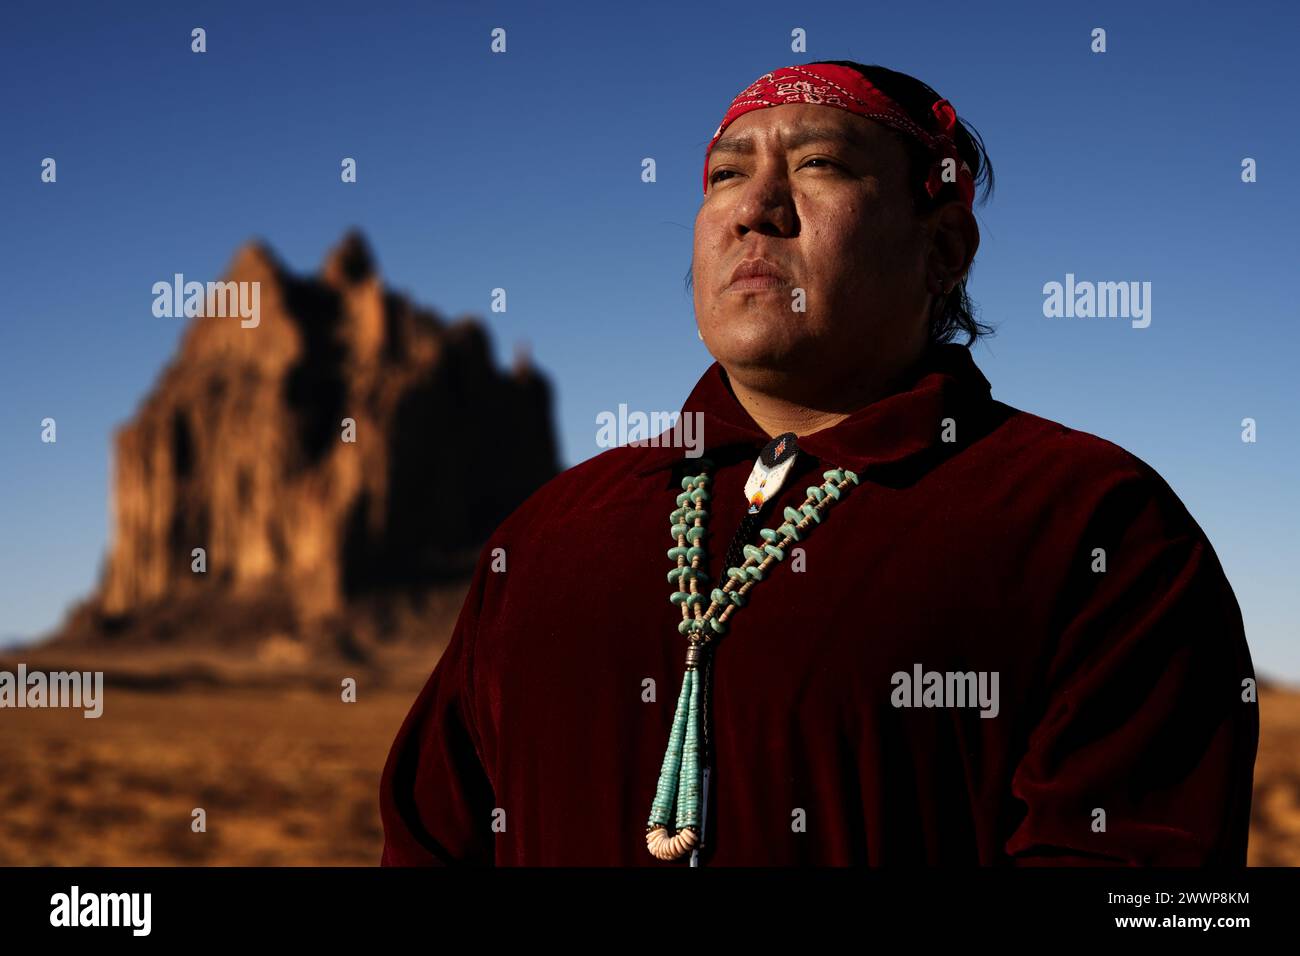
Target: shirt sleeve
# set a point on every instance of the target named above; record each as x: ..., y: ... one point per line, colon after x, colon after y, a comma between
x: 1144, y: 717
x: 436, y: 798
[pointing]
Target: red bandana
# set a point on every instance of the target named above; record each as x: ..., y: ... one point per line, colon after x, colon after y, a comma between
x: 847, y: 89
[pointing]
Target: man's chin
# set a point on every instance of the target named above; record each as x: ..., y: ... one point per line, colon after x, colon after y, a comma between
x: 758, y: 356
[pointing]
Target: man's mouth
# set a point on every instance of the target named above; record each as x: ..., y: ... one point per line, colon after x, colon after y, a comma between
x: 756, y: 284
x: 756, y: 275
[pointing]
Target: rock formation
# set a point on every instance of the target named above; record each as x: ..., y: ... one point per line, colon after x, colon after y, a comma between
x: 349, y: 451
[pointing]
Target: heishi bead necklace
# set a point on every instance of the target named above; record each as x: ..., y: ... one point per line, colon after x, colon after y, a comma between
x: 684, y: 778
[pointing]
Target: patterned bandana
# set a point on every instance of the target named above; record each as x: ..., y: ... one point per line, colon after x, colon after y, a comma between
x: 847, y: 89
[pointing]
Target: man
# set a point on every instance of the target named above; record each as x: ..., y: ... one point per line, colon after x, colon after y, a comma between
x: 922, y: 626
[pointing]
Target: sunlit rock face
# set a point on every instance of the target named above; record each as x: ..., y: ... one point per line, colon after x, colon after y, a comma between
x: 346, y: 448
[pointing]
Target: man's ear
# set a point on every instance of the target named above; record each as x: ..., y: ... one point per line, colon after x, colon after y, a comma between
x: 954, y: 239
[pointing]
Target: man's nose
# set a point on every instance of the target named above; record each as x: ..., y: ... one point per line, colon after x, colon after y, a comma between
x: 767, y: 206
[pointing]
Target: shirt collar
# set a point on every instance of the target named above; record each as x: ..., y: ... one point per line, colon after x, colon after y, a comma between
x: 898, y: 428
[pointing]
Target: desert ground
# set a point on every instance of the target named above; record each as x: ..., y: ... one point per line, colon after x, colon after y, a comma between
x: 288, y: 773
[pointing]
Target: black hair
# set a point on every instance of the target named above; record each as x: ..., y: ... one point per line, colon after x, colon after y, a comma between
x: 954, y: 312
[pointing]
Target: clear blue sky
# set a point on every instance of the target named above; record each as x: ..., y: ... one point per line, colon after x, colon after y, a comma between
x: 522, y: 170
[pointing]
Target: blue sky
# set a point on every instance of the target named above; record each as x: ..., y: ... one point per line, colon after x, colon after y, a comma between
x: 522, y: 170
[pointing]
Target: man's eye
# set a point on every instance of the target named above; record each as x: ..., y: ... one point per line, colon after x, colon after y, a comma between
x: 713, y: 178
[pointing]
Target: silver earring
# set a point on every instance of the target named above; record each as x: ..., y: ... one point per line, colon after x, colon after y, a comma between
x: 699, y: 333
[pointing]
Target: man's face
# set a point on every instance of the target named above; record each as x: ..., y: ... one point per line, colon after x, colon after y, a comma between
x: 824, y: 196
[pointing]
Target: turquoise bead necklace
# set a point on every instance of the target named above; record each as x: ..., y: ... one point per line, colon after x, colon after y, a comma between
x: 684, y: 778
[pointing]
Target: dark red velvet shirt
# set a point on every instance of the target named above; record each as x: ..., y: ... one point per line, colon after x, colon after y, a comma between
x: 1119, y: 691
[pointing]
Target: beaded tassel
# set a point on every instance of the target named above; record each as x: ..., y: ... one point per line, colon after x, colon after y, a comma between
x: 680, y: 792
x: 679, y: 781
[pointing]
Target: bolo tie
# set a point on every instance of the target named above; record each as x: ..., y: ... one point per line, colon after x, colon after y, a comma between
x: 682, y: 794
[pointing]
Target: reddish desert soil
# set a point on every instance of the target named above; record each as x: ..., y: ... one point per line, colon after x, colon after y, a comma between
x: 288, y: 773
